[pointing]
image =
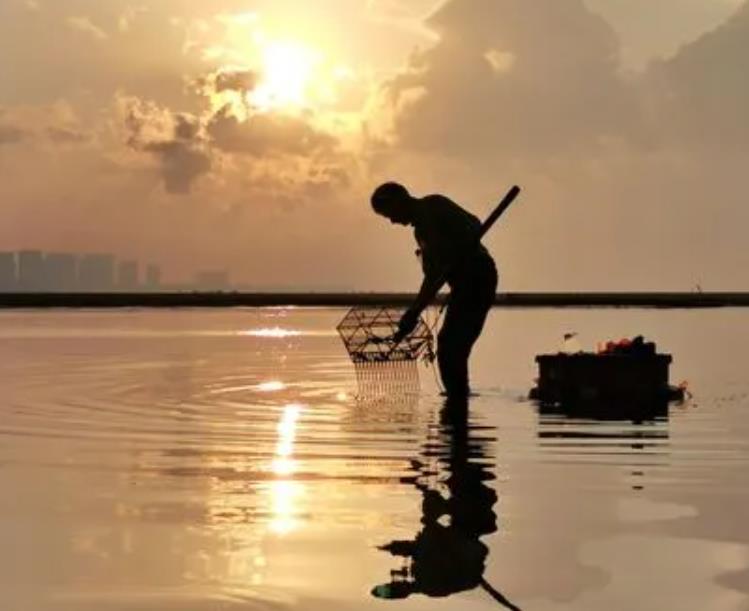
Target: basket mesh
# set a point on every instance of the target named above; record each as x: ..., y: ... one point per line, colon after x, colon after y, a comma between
x: 367, y: 334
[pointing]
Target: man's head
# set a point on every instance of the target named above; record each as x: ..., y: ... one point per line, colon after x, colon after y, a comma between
x: 393, y: 201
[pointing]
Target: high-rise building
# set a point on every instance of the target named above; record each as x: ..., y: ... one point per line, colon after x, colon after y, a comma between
x: 8, y: 272
x: 96, y: 273
x: 153, y: 277
x: 32, y: 275
x: 127, y: 275
x: 60, y: 272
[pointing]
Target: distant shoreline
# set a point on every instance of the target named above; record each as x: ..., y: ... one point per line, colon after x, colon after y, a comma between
x: 231, y: 299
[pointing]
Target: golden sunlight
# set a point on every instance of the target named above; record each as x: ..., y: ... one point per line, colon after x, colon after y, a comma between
x: 287, y: 73
x: 284, y: 490
x: 271, y: 332
x: 272, y: 386
x: 296, y: 73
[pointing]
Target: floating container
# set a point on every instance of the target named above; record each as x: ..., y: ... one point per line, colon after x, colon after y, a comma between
x: 629, y: 374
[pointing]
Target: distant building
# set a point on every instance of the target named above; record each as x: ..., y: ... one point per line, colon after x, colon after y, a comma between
x: 153, y: 277
x: 96, y: 273
x: 32, y: 275
x: 127, y: 276
x: 212, y: 280
x: 61, y: 272
x: 8, y: 272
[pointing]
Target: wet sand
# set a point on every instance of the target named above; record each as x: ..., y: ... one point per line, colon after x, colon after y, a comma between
x: 225, y: 459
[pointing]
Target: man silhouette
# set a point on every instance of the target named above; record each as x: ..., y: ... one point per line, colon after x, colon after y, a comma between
x: 447, y: 237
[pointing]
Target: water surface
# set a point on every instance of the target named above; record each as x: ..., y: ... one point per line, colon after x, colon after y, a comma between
x: 201, y: 460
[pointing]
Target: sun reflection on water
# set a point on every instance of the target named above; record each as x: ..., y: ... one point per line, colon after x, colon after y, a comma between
x: 271, y: 332
x: 284, y: 491
x: 271, y: 386
x: 285, y: 494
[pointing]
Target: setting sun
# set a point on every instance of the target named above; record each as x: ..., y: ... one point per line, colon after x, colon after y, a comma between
x: 287, y: 71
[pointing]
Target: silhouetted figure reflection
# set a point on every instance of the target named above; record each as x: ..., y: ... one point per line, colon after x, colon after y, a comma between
x: 447, y: 555
x: 446, y: 235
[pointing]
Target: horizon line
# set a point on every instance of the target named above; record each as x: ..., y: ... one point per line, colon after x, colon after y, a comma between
x: 218, y: 299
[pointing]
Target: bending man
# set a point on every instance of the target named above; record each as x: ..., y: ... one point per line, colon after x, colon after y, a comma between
x: 446, y: 235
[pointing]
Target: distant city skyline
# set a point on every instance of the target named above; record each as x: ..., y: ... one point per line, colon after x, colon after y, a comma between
x: 57, y: 272
x: 33, y: 270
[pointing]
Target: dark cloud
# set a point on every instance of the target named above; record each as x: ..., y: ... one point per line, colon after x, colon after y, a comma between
x: 265, y: 134
x: 701, y: 95
x: 514, y: 77
x: 650, y: 30
x: 538, y: 80
x: 173, y: 139
x: 186, y: 127
x: 182, y: 164
x: 187, y: 145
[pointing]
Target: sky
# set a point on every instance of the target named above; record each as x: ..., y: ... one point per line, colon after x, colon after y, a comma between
x: 247, y: 135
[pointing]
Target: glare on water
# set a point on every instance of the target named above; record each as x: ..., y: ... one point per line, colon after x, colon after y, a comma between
x: 229, y: 459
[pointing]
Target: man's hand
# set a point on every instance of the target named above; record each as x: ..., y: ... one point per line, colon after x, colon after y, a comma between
x: 406, y: 325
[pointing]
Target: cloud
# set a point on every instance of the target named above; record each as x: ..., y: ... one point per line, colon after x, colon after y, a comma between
x: 37, y: 125
x: 236, y: 80
x: 186, y: 127
x: 541, y: 81
x: 85, y: 25
x: 404, y: 15
x: 510, y: 77
x: 656, y: 30
x: 701, y: 95
x: 128, y: 16
x: 267, y: 134
x: 174, y: 139
x: 223, y: 82
x: 182, y: 164
x: 10, y: 134
x: 64, y: 135
x: 148, y: 58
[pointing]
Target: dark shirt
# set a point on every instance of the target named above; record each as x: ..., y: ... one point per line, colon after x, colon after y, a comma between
x: 447, y: 235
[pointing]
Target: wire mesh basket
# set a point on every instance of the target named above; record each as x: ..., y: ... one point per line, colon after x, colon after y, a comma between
x: 383, y: 366
x: 367, y: 333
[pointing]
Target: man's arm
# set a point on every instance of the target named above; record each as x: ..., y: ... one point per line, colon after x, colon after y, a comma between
x: 426, y: 293
x: 448, y: 233
x: 433, y: 268
x: 410, y: 318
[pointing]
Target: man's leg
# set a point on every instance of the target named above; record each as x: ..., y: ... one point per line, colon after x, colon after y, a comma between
x: 453, y: 350
x: 459, y: 332
x: 464, y: 321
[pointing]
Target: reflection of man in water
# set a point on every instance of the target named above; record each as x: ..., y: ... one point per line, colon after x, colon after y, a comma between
x: 447, y: 238
x: 447, y: 555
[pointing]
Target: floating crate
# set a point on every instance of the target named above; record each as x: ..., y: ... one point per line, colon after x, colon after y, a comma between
x: 613, y: 382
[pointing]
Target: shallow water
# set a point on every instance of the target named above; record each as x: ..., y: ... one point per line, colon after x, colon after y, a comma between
x: 201, y: 460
